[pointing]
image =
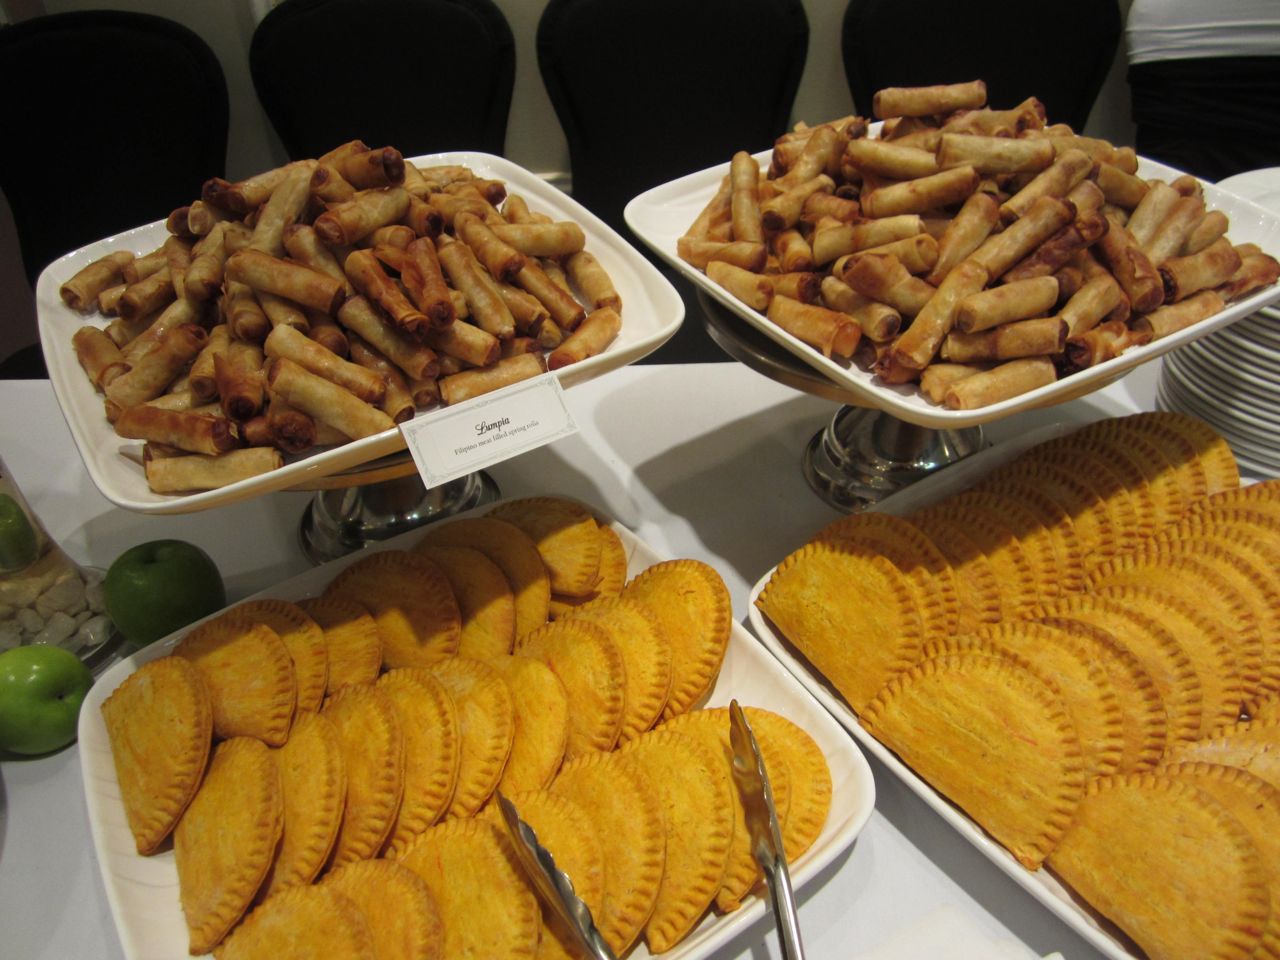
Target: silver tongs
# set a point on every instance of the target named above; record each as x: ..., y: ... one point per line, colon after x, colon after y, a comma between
x: 553, y: 884
x: 762, y: 824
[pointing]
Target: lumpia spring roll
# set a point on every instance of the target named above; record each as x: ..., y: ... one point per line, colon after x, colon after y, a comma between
x: 157, y: 367
x: 925, y: 193
x: 832, y: 242
x: 1041, y: 337
x: 246, y: 195
x: 937, y: 378
x: 372, y: 281
x: 558, y: 239
x: 109, y: 300
x: 194, y: 432
x: 530, y: 315
x: 592, y: 337
x: 147, y: 295
x: 1102, y: 343
x: 1132, y: 268
x: 887, y: 159
x: 1086, y: 198
x: 1173, y: 230
x: 926, y: 101
x: 965, y: 233
x: 283, y: 313
x: 1039, y: 222
x: 397, y: 401
x: 417, y: 360
x: 918, y: 345
x: 424, y: 218
x: 139, y: 268
x: 564, y: 309
x: 467, y: 342
x: 202, y: 379
x: 302, y: 350
x: 1178, y: 316
x: 744, y: 176
x: 1211, y: 267
x: 746, y: 254
x: 589, y: 276
x: 343, y: 224
x: 792, y: 251
x: 502, y: 260
x: 198, y: 472
x: 878, y: 321
x: 1056, y: 180
x: 1007, y: 380
x: 821, y: 154
x: 285, y: 206
x: 238, y: 370
x: 202, y: 218
x: 80, y: 293
x: 1058, y: 249
x: 992, y: 155
x: 204, y: 276
x: 98, y: 355
x: 785, y: 209
x: 1091, y: 304
x: 484, y: 301
x: 829, y: 331
x: 1020, y: 300
x: 293, y: 281
x: 1212, y: 225
x: 398, y: 235
x: 1122, y: 189
x: 244, y: 313
x: 467, y: 384
x: 370, y: 168
x: 423, y: 278
x: 1257, y: 270
x: 884, y: 279
x: 1151, y: 210
x: 303, y: 244
x: 829, y: 205
x: 753, y: 289
x: 325, y: 401
x: 918, y: 254
x: 801, y: 285
x: 290, y: 429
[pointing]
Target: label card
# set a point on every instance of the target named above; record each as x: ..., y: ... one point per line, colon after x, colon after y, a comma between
x: 475, y: 434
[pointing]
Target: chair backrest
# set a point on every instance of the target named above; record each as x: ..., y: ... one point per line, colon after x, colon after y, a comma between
x: 111, y: 120
x: 649, y: 91
x: 423, y: 76
x: 1056, y: 50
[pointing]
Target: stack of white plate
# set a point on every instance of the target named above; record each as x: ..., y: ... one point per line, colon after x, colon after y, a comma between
x: 1231, y: 378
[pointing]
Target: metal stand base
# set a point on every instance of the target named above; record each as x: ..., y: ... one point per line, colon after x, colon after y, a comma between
x: 863, y: 455
x: 338, y: 522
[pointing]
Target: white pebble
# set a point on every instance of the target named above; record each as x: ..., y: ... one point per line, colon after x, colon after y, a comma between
x: 94, y: 631
x: 10, y: 634
x: 30, y: 621
x: 59, y: 628
x: 93, y: 592
x: 65, y: 596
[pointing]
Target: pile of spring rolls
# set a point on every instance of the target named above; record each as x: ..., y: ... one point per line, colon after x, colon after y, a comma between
x: 328, y: 300
x: 980, y: 253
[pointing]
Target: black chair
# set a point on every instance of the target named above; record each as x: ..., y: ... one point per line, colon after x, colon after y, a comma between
x: 649, y: 91
x: 112, y: 120
x: 1056, y: 50
x: 423, y: 76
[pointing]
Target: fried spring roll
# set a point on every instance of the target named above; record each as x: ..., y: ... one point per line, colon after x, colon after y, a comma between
x: 1132, y: 268
x: 1039, y: 222
x: 1091, y: 304
x: 203, y: 277
x: 466, y: 342
x: 468, y: 384
x: 558, y: 239
x: 919, y: 253
x: 1058, y: 249
x: 282, y: 313
x: 396, y: 235
x: 937, y: 378
x: 303, y: 244
x: 592, y: 337
x: 748, y: 255
x: 1178, y: 316
x: 147, y: 295
x: 926, y: 101
x: 1104, y: 342
x: 502, y: 260
x: 564, y: 309
x: 753, y: 289
x: 245, y: 316
x: 98, y: 355
x: 792, y: 251
x: 990, y: 155
x: 484, y: 301
x: 293, y: 281
x: 418, y: 361
x: 1210, y: 267
x: 885, y: 280
x: 744, y: 175
x: 356, y: 378
x: 139, y: 268
x: 829, y: 331
x: 397, y: 401
x: 918, y: 345
x: 1020, y: 300
x: 1212, y: 225
x: 832, y: 242
x: 1086, y: 198
x: 423, y: 278
x: 1257, y: 270
x: 821, y: 154
x: 717, y: 210
x: 964, y: 234
x: 286, y: 205
x: 1042, y: 337
x: 198, y: 472
x: 590, y: 277
x: 372, y: 281
x: 202, y: 380
x: 238, y: 370
x: 193, y: 432
x: 248, y: 194
x: 531, y: 317
x: 785, y: 209
x: 829, y: 205
x: 1007, y: 380
x: 925, y: 193
x: 154, y: 369
x: 81, y: 292
x: 1173, y: 230
x: 887, y: 159
x: 1120, y: 188
x: 343, y: 224
x: 1056, y: 180
x: 372, y: 168
x: 878, y: 321
x: 289, y: 428
x: 425, y: 219
x: 202, y: 218
x: 1151, y: 210
x: 325, y: 401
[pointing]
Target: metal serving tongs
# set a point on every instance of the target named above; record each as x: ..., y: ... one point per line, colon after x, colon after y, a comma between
x: 762, y: 824
x: 553, y: 884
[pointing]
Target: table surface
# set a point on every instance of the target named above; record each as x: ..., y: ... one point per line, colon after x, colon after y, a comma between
x: 698, y: 460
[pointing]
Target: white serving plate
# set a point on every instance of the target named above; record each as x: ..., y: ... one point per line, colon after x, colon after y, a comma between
x: 1226, y: 397
x: 1239, y: 352
x: 1039, y: 883
x: 143, y: 891
x: 652, y: 312
x: 660, y: 216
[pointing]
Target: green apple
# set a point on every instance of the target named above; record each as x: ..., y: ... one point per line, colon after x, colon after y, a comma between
x: 161, y: 586
x: 19, y: 545
x: 41, y: 689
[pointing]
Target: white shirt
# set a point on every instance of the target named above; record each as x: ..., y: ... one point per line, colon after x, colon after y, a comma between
x: 1182, y: 29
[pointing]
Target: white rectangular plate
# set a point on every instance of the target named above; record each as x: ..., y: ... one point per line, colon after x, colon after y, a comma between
x: 1039, y: 883
x: 143, y: 891
x: 661, y: 215
x: 652, y: 312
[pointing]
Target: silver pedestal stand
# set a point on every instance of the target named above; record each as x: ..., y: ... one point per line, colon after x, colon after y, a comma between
x: 863, y: 454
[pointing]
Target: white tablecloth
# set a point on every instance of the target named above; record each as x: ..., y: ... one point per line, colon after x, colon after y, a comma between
x: 699, y: 461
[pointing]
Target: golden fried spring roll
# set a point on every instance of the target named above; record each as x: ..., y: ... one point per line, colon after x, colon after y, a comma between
x: 593, y: 335
x: 887, y: 159
x: 372, y: 281
x: 327, y: 333
x: 123, y: 332
x: 147, y: 295
x: 398, y: 235
x: 1210, y: 267
x: 293, y: 281
x: 286, y: 205
x: 194, y: 432
x: 989, y: 155
x: 878, y: 321
x: 202, y: 218
x: 303, y: 244
x: 926, y: 101
x: 937, y: 378
x: 98, y: 355
x: 198, y: 472
x: 109, y: 300
x: 1212, y: 225
x: 466, y: 342
x: 203, y: 277
x: 925, y: 193
x: 1104, y: 342
x: 467, y: 384
x: 245, y: 195
x: 1151, y: 210
x: 423, y: 218
x: 202, y: 379
x: 1041, y: 337
x: 1093, y: 302
x: 501, y: 259
x: 829, y: 205
x: 283, y: 313
x: 885, y: 280
x: 741, y: 253
x: 519, y: 345
x: 1178, y: 316
x: 139, y: 268
x: 792, y: 251
x: 1173, y: 230
x: 1120, y: 188
x: 918, y: 345
x: 1056, y: 180
x: 753, y: 289
x: 515, y: 209
x: 370, y: 168
x: 821, y: 154
x: 356, y: 378
x: 564, y: 309
x: 717, y: 210
x: 965, y: 233
x: 798, y: 285
x: 832, y: 242
x: 449, y: 206
x: 785, y: 209
x: 424, y: 279
x: 156, y: 368
x: 1086, y: 198
x: 1007, y: 380
x: 177, y: 251
x: 919, y: 253
x: 590, y: 277
x: 1132, y: 268
x: 290, y: 429
x: 80, y: 293
x: 324, y: 400
x: 1257, y: 270
x: 238, y: 370
x: 244, y: 313
x: 558, y: 239
x: 530, y: 315
x: 417, y: 360
x: 484, y: 301
x: 397, y: 402
x: 1056, y: 251
x: 343, y: 224
x: 1013, y: 301
x: 999, y: 252
x: 829, y: 331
